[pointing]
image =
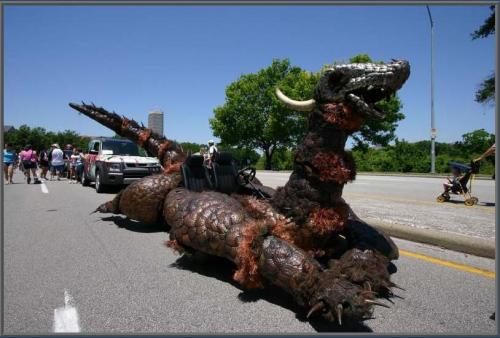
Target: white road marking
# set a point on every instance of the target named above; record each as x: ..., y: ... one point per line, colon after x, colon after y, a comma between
x: 66, y: 317
x: 44, y: 188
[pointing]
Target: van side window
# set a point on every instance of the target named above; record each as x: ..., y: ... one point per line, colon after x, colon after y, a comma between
x: 96, y: 146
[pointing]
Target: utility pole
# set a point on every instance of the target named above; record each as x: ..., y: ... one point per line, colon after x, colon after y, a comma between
x: 433, y: 127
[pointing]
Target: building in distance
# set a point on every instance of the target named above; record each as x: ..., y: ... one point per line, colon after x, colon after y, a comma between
x: 155, y: 121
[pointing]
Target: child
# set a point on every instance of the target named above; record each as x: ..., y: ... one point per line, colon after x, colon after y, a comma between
x: 453, y: 181
x: 75, y: 156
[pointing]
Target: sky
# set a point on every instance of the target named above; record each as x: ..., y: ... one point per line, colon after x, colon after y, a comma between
x: 180, y: 59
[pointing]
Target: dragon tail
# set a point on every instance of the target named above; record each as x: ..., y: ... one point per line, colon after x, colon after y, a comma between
x: 167, y: 151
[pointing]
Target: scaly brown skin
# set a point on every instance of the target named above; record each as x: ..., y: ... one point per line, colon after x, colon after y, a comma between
x: 276, y: 241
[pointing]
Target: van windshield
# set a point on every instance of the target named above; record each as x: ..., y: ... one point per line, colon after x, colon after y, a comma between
x: 121, y: 147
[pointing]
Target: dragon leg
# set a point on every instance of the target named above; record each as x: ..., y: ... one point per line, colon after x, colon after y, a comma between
x: 225, y: 226
x: 143, y: 199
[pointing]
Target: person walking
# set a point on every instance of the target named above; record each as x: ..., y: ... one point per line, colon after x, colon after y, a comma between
x: 9, y: 161
x: 72, y: 165
x: 212, y: 152
x: 57, y: 161
x: 29, y: 160
x: 43, y: 160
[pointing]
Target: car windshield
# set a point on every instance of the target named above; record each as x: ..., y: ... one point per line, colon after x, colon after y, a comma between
x: 121, y: 148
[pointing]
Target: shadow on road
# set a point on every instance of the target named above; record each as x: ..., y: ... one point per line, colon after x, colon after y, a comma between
x: 483, y: 204
x: 222, y: 269
x: 131, y: 225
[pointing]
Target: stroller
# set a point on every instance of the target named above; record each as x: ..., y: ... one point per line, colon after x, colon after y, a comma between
x: 462, y: 185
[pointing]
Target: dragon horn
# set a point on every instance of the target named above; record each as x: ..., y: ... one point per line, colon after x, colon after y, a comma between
x: 295, y: 105
x: 317, y: 307
x: 340, y: 310
x: 369, y: 301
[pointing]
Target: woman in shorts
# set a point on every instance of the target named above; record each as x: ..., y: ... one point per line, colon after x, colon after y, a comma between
x: 9, y: 161
x: 29, y: 160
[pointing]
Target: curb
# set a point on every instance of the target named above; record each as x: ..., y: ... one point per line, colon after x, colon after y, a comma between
x: 369, y: 173
x: 471, y: 245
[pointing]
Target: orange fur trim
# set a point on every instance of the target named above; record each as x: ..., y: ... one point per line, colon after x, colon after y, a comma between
x: 247, y: 274
x: 283, y: 230
x: 279, y: 227
x: 327, y: 220
x: 331, y: 168
x: 144, y: 135
x: 342, y: 115
x: 173, y: 168
x: 125, y: 123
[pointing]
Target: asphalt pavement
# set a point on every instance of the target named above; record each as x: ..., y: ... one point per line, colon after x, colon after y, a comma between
x: 411, y: 201
x: 107, y: 274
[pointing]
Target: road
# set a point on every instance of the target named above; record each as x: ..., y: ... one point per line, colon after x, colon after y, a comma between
x: 116, y: 276
x: 410, y: 201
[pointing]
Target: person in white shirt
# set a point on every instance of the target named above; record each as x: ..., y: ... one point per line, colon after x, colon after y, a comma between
x: 57, y: 161
x: 212, y: 151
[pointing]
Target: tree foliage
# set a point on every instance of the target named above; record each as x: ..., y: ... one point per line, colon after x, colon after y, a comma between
x: 487, y: 28
x: 252, y: 117
x: 414, y: 157
x: 40, y: 139
x: 486, y: 90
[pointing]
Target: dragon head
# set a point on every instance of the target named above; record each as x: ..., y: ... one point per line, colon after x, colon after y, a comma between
x: 358, y: 86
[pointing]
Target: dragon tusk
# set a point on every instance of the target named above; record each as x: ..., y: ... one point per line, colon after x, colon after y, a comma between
x: 295, y: 105
x: 340, y: 310
x: 317, y: 307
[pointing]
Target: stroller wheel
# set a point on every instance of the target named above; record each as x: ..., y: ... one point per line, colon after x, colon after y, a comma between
x: 475, y: 199
x: 441, y: 199
x: 469, y: 202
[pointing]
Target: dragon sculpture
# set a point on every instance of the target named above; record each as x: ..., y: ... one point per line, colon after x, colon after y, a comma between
x: 305, y: 239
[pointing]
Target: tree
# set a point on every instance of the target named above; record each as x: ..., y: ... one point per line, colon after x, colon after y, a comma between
x: 486, y: 91
x: 252, y: 117
x: 378, y: 131
x: 477, y: 141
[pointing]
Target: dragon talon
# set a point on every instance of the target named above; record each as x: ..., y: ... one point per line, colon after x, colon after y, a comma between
x: 340, y: 310
x: 316, y: 308
x: 373, y: 302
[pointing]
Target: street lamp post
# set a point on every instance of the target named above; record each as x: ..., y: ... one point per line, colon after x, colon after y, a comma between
x: 433, y: 128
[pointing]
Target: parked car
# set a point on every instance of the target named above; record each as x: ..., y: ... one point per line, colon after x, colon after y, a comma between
x: 112, y: 161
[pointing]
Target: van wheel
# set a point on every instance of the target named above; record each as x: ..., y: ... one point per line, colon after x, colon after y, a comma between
x: 99, y: 187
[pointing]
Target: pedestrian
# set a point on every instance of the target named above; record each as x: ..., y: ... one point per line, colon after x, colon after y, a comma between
x: 79, y: 165
x: 9, y: 162
x: 29, y: 160
x: 212, y: 152
x: 43, y: 160
x: 68, y: 151
x: 51, y: 168
x: 452, y: 182
x: 57, y: 161
x: 72, y: 165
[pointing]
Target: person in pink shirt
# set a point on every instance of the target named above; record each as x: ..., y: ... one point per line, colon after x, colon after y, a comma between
x: 28, y: 158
